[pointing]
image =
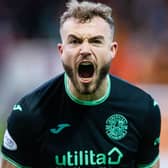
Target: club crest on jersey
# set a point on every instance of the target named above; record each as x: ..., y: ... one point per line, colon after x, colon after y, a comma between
x: 116, y: 127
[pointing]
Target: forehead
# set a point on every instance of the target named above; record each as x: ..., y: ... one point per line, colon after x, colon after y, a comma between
x: 95, y: 26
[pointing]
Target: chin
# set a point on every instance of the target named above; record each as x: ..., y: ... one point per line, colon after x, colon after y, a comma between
x: 86, y: 90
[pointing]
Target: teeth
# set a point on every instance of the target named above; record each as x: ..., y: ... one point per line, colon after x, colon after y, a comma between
x: 85, y: 63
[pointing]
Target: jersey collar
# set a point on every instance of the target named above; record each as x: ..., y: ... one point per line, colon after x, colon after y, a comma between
x: 86, y: 102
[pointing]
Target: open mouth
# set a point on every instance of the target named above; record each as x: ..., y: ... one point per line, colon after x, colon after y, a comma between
x: 86, y: 70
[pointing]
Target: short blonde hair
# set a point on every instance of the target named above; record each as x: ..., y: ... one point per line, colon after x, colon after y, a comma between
x: 84, y: 11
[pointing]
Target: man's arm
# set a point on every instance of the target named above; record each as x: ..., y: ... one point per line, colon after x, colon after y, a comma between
x: 16, y: 147
x: 6, y: 164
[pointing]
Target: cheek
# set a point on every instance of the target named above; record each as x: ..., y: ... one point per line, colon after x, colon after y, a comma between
x: 104, y: 57
x: 68, y: 58
x: 66, y: 54
x: 71, y: 54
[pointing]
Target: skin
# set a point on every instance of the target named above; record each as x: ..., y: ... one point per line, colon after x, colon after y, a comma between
x: 157, y: 165
x: 6, y: 164
x: 86, y: 42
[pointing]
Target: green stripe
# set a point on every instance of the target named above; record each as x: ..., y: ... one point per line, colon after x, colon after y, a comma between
x: 150, y: 164
x: 157, y: 141
x: 86, y: 102
x: 17, y: 165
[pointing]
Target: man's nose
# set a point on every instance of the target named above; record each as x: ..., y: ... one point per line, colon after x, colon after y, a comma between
x: 85, y: 49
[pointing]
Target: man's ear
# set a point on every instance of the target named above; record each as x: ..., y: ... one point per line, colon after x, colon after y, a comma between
x: 114, y: 48
x: 60, y: 48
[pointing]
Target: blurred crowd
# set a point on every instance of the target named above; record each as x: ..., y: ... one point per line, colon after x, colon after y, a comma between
x: 141, y: 30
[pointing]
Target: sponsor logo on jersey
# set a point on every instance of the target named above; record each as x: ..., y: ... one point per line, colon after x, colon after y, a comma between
x: 17, y: 107
x: 116, y: 127
x: 8, y: 142
x: 59, y: 128
x: 89, y: 158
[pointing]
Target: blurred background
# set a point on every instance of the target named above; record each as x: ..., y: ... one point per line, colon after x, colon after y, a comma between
x: 29, y: 33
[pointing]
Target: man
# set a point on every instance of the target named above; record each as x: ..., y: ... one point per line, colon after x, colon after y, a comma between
x: 84, y: 117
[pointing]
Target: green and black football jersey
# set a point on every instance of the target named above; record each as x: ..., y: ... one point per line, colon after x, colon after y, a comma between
x: 51, y: 128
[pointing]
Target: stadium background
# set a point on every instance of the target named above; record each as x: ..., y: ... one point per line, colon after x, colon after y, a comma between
x: 28, y: 54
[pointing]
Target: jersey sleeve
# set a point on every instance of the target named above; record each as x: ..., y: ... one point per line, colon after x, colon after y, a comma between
x: 17, y: 142
x: 149, y: 149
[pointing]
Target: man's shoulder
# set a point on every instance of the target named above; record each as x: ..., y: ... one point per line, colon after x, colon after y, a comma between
x: 27, y: 108
x: 49, y: 87
x: 123, y: 89
x: 134, y: 100
x: 41, y: 94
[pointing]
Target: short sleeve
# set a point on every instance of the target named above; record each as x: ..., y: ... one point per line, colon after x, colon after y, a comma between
x: 149, y: 149
x: 17, y: 142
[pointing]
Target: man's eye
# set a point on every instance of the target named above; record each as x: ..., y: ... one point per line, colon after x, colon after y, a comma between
x: 74, y: 41
x: 96, y: 41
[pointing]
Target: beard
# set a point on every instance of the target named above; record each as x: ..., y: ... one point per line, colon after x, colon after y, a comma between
x: 87, y: 89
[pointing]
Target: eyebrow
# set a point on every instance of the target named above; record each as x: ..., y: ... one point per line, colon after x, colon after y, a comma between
x: 98, y: 37
x: 73, y: 36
